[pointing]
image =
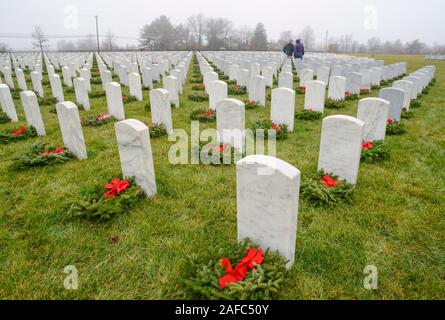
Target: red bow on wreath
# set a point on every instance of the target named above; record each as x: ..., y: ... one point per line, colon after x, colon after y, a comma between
x: 329, y: 182
x: 239, y: 273
x: 115, y: 187
x: 19, y: 131
x: 366, y: 145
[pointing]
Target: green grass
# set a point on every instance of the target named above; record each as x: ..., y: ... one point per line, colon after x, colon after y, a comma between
x: 397, y: 222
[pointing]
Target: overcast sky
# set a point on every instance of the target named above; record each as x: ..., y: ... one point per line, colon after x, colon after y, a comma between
x: 386, y: 19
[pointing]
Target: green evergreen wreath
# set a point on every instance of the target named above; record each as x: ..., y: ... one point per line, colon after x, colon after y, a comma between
x: 335, y: 104
x: 93, y: 204
x: 4, y: 117
x: 40, y: 154
x: 395, y: 128
x: 157, y: 130
x: 198, y: 97
x: 308, y: 115
x: 201, y: 275
x: 11, y: 135
x: 265, y: 124
x: 316, y: 190
x: 373, y: 151
x: 96, y: 121
x: 203, y: 115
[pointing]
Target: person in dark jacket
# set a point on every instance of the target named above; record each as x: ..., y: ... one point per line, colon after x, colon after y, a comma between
x: 289, y: 49
x: 298, y: 50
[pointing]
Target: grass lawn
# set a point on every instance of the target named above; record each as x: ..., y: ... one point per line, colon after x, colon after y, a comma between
x: 397, y: 222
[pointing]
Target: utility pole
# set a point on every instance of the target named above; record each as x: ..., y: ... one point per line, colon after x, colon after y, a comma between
x: 97, y: 34
x: 326, y: 42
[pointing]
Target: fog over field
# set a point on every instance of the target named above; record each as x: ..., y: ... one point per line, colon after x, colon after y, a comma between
x: 363, y: 19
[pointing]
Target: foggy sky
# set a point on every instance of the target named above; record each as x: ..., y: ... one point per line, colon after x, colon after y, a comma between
x: 397, y: 19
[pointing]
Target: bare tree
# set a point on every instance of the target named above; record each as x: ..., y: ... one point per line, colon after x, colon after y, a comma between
x: 346, y: 42
x: 285, y: 36
x: 40, y: 41
x: 109, y: 42
x: 197, y: 24
x: 308, y: 37
x: 415, y: 47
x: 64, y: 45
x: 87, y: 43
x: 373, y: 45
x: 3, y: 48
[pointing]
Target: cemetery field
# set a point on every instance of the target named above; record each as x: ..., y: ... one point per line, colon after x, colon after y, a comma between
x: 396, y: 222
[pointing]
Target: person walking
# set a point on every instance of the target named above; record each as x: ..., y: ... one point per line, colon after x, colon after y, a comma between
x: 289, y: 49
x: 298, y: 50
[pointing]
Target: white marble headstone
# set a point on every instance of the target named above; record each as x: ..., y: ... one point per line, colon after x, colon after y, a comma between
x: 230, y: 122
x: 115, y: 104
x: 283, y: 107
x: 315, y: 96
x: 341, y: 147
x: 7, y: 102
x: 374, y: 113
x: 71, y: 128
x: 133, y: 139
x: 267, y: 203
x: 32, y: 111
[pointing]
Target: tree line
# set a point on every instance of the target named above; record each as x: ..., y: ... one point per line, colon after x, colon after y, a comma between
x: 199, y: 32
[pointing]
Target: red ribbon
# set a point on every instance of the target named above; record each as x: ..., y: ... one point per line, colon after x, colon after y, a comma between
x: 329, y: 182
x: 115, y: 187
x: 19, y: 131
x: 239, y: 273
x: 366, y: 145
x: 276, y: 127
x: 58, y: 150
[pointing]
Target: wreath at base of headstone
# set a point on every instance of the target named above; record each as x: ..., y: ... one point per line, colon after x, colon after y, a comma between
x: 15, y: 93
x: 256, y: 275
x: 197, y: 79
x: 351, y: 96
x: 4, y: 117
x: 324, y: 189
x: 364, y: 92
x: 266, y: 125
x: 374, y: 151
x: 415, y: 104
x: 394, y: 128
x: 230, y: 82
x: 237, y: 90
x: 97, y: 94
x: 199, y: 87
x: 13, y: 135
x: 198, y: 97
x: 335, y: 104
x: 203, y: 115
x: 216, y: 154
x: 301, y: 90
x: 96, y: 121
x: 46, y: 101
x: 40, y: 154
x: 129, y: 99
x: 102, y: 202
x: 95, y: 81
x: 157, y: 130
x: 308, y: 114
x: 251, y: 105
x: 406, y: 114
x: 375, y: 87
